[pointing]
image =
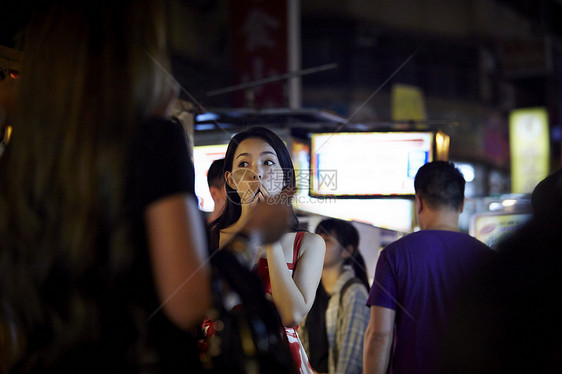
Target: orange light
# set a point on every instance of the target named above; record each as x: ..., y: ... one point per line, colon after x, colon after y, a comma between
x: 8, y: 134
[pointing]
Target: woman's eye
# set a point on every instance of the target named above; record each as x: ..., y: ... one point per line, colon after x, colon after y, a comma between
x: 243, y: 164
x: 269, y: 163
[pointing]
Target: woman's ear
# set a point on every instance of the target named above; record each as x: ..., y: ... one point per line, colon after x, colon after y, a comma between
x: 229, y: 180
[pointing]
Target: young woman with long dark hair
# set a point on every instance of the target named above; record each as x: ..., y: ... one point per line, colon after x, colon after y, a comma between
x: 258, y: 167
x: 333, y: 329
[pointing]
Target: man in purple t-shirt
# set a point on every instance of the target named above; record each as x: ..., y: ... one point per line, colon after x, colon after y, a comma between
x: 418, y: 278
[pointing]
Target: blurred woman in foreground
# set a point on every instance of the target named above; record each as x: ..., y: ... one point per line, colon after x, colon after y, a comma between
x: 101, y: 242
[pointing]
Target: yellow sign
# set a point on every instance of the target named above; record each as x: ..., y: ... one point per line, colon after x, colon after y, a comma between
x: 529, y: 147
x: 407, y: 103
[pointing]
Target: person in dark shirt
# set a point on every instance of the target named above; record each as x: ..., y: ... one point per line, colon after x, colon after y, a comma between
x: 419, y: 277
x: 100, y: 229
x: 509, y: 321
x: 102, y: 248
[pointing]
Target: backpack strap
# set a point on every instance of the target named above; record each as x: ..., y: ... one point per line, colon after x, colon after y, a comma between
x: 348, y: 284
x: 339, y: 322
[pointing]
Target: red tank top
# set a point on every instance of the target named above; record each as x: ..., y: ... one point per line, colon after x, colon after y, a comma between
x: 263, y: 270
x: 295, y: 345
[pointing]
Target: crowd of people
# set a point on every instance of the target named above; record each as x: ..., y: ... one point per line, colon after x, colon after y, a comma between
x: 107, y: 265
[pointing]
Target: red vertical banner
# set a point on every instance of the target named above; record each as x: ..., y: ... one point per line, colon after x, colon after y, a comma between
x: 258, y: 38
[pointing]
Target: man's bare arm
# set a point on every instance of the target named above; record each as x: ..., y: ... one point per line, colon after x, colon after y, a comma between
x: 378, y: 340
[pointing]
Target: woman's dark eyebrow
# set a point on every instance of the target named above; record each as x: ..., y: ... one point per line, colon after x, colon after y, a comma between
x: 263, y: 153
x: 242, y: 154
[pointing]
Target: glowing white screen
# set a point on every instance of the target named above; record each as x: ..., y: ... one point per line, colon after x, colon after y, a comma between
x: 203, y: 157
x: 369, y: 164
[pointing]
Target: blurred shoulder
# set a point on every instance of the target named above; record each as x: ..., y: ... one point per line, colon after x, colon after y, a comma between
x: 312, y: 240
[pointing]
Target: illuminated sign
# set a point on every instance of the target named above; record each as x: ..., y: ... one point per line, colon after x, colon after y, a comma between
x: 491, y: 228
x: 203, y: 157
x: 368, y: 164
x: 407, y: 103
x: 529, y: 147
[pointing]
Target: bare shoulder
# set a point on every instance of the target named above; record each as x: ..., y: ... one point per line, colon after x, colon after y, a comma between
x: 312, y: 243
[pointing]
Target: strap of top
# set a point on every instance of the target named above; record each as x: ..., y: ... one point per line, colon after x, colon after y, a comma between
x: 347, y: 284
x: 296, y: 247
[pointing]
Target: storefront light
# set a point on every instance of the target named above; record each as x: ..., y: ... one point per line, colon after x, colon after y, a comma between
x: 467, y: 171
x: 509, y: 202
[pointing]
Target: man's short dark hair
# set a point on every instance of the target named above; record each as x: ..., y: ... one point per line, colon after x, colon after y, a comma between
x: 215, y: 174
x: 440, y: 184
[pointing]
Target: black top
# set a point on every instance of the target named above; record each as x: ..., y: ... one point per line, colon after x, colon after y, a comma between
x: 160, y: 163
x: 160, y: 166
x: 317, y: 334
x: 127, y: 331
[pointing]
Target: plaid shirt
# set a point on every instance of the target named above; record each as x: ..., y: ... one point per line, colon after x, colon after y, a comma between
x: 345, y: 330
